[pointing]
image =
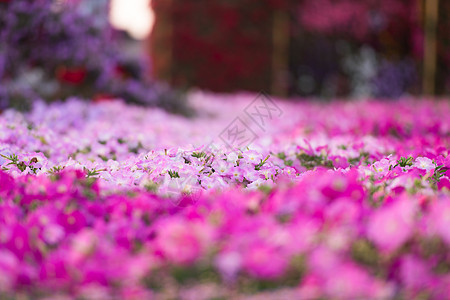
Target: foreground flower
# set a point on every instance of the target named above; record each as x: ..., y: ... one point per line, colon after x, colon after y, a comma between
x: 90, y: 208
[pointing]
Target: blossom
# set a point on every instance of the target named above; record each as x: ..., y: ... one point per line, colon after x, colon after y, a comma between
x: 232, y: 157
x: 9, y: 265
x: 53, y: 234
x: 229, y: 264
x: 382, y: 166
x: 440, y: 219
x: 264, y: 261
x: 415, y: 274
x: 349, y: 282
x: 252, y: 156
x: 424, y: 163
x: 392, y: 225
x: 183, y: 243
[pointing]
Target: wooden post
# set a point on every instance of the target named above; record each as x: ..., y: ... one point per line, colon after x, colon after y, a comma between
x: 161, y: 41
x: 280, y: 55
x: 430, y: 55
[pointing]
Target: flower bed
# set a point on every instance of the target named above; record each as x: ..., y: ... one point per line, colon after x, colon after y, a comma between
x: 330, y: 201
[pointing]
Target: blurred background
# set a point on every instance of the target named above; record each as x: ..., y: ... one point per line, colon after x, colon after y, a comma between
x: 150, y: 51
x: 319, y: 48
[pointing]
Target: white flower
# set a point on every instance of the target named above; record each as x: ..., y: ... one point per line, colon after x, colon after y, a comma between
x: 255, y: 184
x: 232, y: 157
x: 424, y: 163
x: 221, y: 167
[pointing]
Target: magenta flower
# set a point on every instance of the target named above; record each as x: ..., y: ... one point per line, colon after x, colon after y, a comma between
x: 264, y: 261
x: 6, y: 184
x: 55, y: 272
x: 73, y: 221
x: 15, y: 238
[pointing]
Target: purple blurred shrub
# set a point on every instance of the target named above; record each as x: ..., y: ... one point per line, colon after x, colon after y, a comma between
x: 56, y: 49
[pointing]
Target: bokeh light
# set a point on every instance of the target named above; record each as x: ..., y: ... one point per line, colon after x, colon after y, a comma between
x: 133, y: 16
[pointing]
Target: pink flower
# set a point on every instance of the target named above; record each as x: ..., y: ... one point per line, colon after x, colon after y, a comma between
x: 289, y: 172
x: 343, y: 211
x: 9, y: 265
x: 382, y: 166
x: 83, y: 245
x: 94, y: 291
x: 444, y: 183
x: 182, y: 241
x: 252, y: 157
x: 310, y: 287
x: 53, y: 234
x: 229, y: 264
x: 6, y: 183
x: 264, y: 261
x: 16, y: 239
x: 392, y: 225
x: 348, y: 281
x: 73, y: 221
x: 415, y: 274
x: 54, y: 272
x: 303, y: 235
x: 323, y: 260
x: 135, y: 293
x: 339, y: 161
x: 236, y: 173
x: 439, y: 219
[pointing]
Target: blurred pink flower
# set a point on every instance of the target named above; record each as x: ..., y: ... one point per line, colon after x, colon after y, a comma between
x: 439, y: 219
x: 264, y: 261
x: 392, y: 224
x: 9, y: 268
x: 415, y: 275
x: 182, y: 241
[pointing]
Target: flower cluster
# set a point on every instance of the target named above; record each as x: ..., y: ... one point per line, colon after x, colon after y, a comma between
x: 339, y: 201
